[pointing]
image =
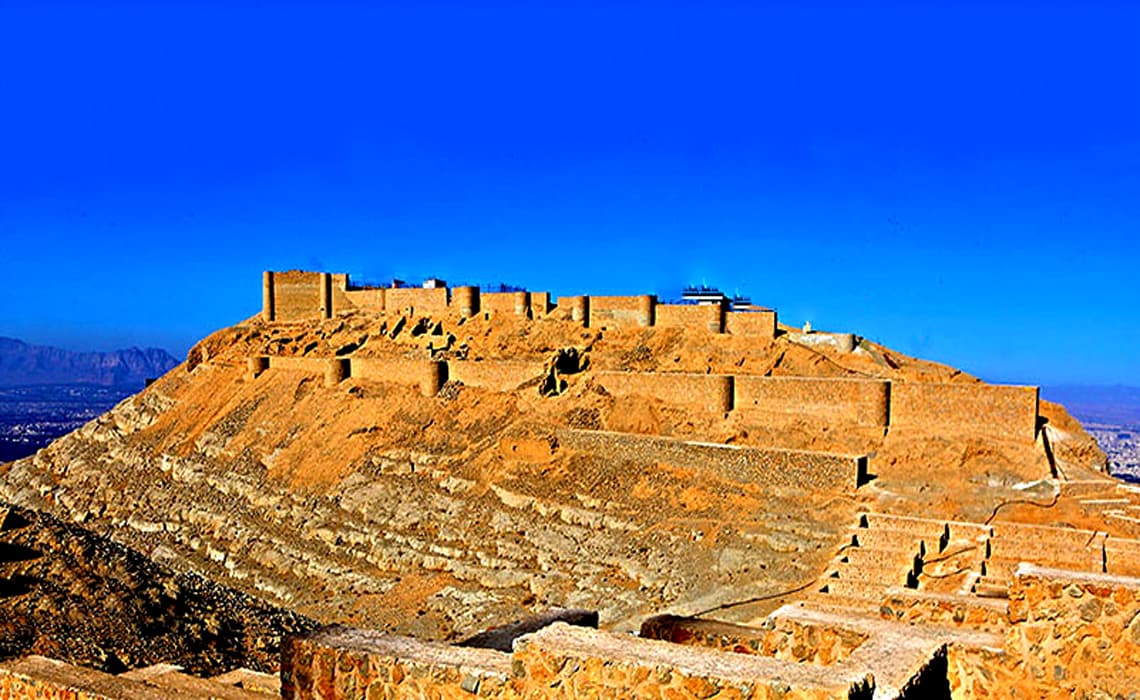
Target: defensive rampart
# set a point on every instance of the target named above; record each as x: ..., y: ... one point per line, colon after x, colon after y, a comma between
x: 821, y: 471
x: 852, y: 401
x: 950, y: 410
x: 712, y: 392
x: 298, y: 295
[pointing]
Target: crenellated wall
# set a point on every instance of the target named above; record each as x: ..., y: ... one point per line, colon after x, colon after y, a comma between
x: 711, y: 392
x: 949, y: 410
x: 853, y: 401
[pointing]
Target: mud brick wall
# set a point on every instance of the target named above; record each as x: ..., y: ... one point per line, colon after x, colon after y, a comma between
x: 855, y: 401
x: 312, y: 365
x: 708, y: 316
x: 423, y: 301
x: 761, y: 324
x: 429, y: 375
x: 539, y: 304
x: 810, y: 470
x: 1004, y: 412
x: 366, y: 299
x: 39, y: 678
x: 505, y: 303
x: 778, y: 637
x: 621, y: 312
x: 296, y: 295
x: 348, y: 664
x: 710, y: 392
x: 495, y: 375
x: 1075, y: 633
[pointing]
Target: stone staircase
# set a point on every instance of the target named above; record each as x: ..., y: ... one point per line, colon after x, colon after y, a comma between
x: 40, y: 677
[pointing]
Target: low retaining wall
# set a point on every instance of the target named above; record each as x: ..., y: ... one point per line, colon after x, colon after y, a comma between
x: 863, y: 402
x: 495, y: 375
x: 1004, y: 412
x: 810, y: 470
x: 712, y: 392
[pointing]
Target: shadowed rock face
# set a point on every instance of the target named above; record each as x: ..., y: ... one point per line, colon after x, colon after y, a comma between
x: 362, y: 501
x: 72, y: 595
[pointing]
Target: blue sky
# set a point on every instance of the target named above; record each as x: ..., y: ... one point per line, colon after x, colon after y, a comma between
x: 959, y: 181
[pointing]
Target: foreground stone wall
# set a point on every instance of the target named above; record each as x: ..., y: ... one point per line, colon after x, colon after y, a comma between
x: 559, y: 661
x: 853, y: 401
x: 1004, y: 412
x: 810, y: 470
x: 1075, y: 633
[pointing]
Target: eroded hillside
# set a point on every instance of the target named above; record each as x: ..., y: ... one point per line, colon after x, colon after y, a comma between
x: 265, y: 463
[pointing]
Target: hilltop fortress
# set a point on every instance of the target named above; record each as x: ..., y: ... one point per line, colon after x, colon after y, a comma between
x: 638, y: 499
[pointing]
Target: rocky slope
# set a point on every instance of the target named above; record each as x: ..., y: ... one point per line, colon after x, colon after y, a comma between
x: 370, y: 504
x: 22, y: 364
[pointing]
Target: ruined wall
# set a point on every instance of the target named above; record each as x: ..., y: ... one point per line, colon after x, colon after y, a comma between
x: 712, y: 392
x: 853, y: 401
x: 422, y: 301
x: 760, y: 324
x: 1004, y: 412
x: 311, y: 365
x: 505, y: 303
x: 821, y: 471
x: 496, y: 375
x: 708, y: 316
x: 621, y: 312
x: 1077, y: 634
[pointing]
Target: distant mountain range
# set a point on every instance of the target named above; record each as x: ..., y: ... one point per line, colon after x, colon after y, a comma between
x: 22, y: 364
x: 1111, y: 405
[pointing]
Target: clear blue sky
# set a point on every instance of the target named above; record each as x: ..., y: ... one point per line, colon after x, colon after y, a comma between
x: 959, y: 181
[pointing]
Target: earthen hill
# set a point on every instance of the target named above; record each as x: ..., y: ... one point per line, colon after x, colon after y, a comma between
x: 777, y: 514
